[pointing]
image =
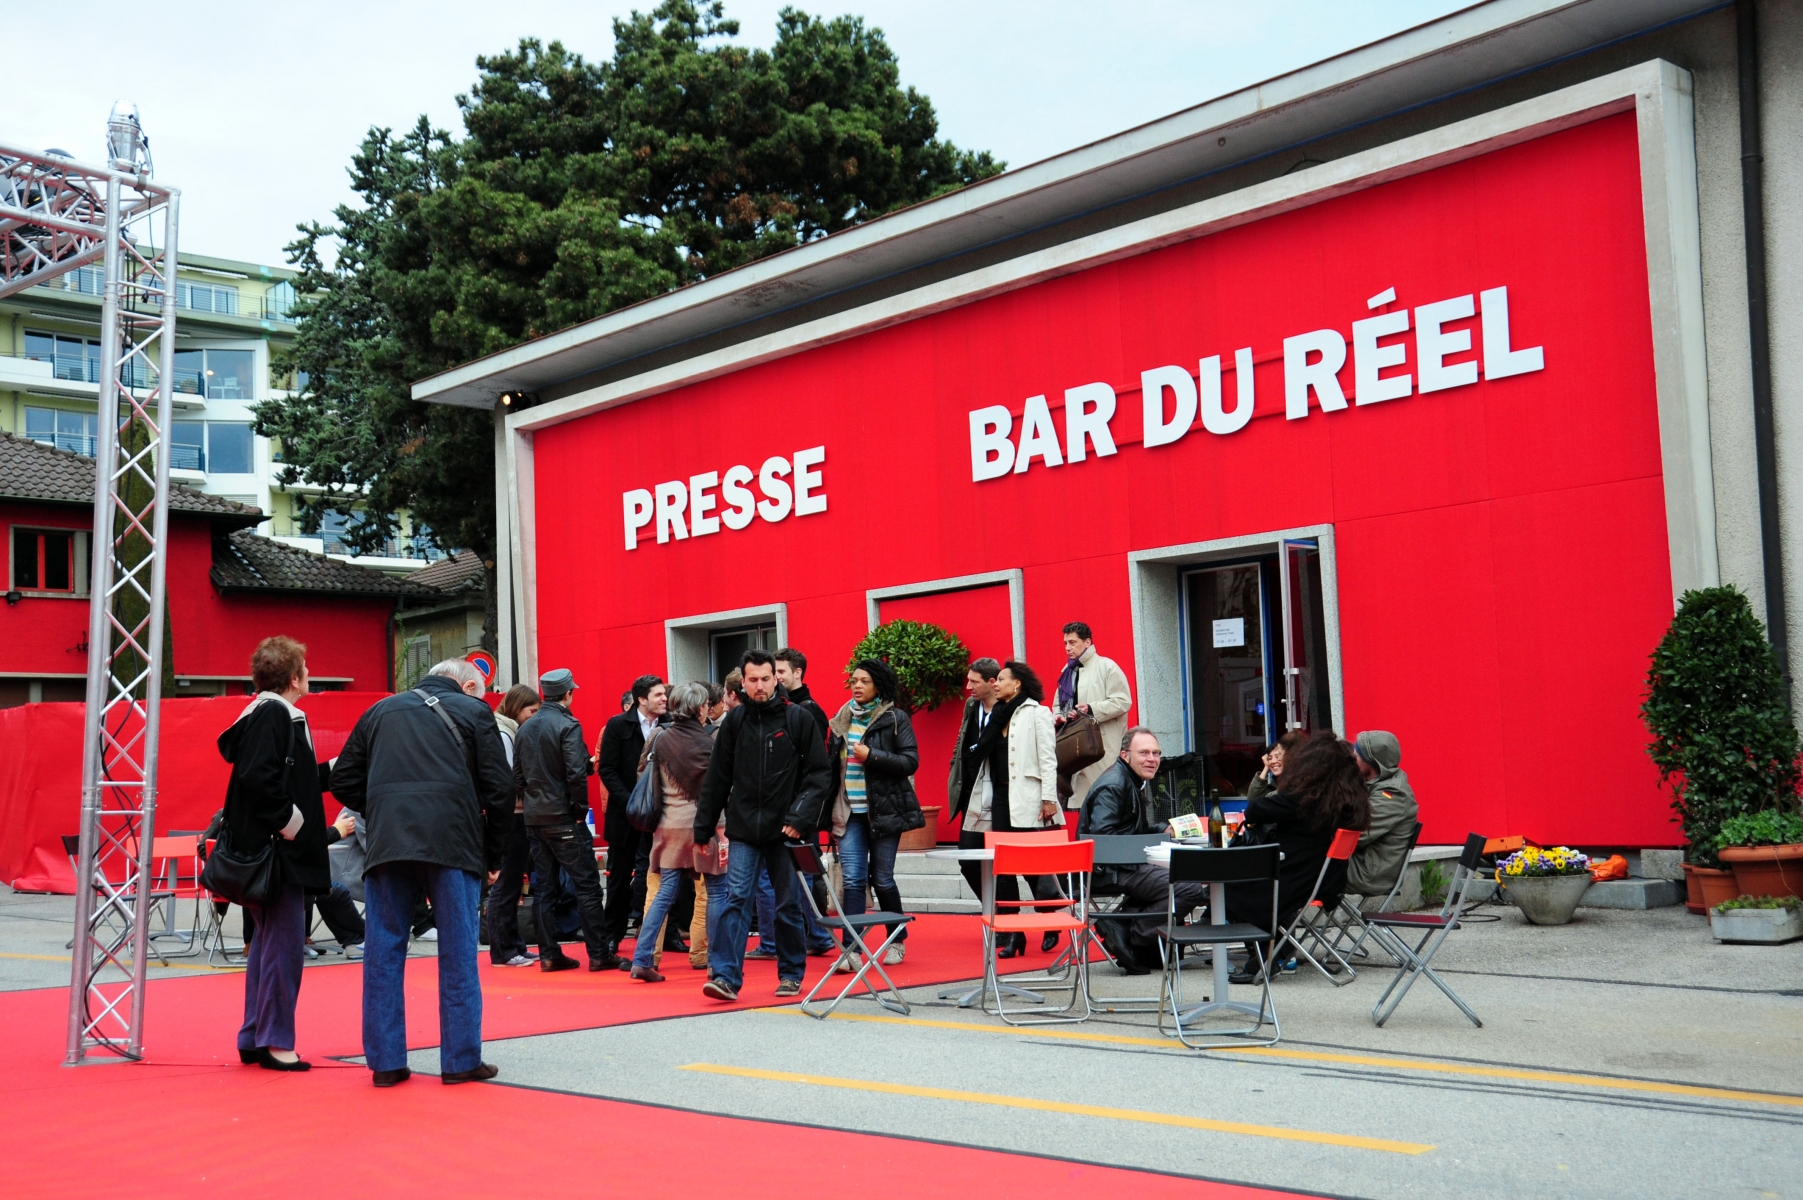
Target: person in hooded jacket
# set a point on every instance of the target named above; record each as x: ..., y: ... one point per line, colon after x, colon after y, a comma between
x: 274, y: 796
x: 876, y: 755
x: 1383, y: 851
x: 770, y: 775
x: 506, y: 948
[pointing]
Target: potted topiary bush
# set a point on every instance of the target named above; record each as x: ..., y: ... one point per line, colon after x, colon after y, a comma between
x: 1722, y: 734
x: 929, y: 664
x: 1545, y: 885
x: 1765, y: 851
x: 1760, y: 920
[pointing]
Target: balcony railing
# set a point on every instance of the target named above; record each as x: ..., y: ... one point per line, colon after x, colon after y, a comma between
x: 90, y: 281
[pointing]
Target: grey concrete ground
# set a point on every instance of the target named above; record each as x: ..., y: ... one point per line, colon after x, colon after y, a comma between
x: 1643, y: 1008
x: 1643, y: 1001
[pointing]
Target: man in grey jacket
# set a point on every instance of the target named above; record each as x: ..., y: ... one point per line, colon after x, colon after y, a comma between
x: 551, y: 769
x: 1383, y: 848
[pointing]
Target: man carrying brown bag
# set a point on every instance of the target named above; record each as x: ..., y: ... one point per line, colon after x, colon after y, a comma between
x: 1093, y: 686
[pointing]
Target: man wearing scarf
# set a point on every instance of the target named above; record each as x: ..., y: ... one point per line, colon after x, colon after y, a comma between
x: 1383, y: 848
x: 1096, y: 685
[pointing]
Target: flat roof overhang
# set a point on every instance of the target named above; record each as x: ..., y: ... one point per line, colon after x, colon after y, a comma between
x: 1466, y: 50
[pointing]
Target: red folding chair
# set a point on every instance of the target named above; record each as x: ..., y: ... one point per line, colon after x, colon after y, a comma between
x: 1303, y: 926
x: 1073, y: 860
x: 169, y: 855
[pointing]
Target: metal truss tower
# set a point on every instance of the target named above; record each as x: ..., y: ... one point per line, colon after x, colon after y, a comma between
x: 57, y: 215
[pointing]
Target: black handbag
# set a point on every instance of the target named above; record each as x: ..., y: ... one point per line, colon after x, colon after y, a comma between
x: 645, y: 807
x: 253, y: 878
x: 246, y: 876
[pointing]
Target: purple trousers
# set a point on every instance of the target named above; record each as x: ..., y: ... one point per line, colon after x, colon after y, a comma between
x: 272, y: 975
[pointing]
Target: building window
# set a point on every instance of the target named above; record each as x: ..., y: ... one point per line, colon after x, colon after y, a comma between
x: 216, y: 447
x: 207, y: 297
x: 72, y: 431
x: 278, y: 302
x: 416, y: 659
x: 216, y: 374
x: 49, y: 561
x: 71, y: 358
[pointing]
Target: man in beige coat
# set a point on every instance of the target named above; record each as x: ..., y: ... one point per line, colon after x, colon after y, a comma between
x: 1096, y: 685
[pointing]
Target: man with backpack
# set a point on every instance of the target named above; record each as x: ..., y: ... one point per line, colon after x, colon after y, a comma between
x: 551, y: 769
x: 427, y: 771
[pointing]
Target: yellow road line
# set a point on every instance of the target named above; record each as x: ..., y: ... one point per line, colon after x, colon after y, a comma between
x: 1081, y: 1110
x: 63, y: 958
x: 1360, y: 1060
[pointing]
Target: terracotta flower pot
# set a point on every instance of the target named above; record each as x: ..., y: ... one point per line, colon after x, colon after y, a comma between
x: 1545, y: 899
x: 1766, y: 870
x: 1693, y: 892
x: 927, y: 836
x: 1716, y: 885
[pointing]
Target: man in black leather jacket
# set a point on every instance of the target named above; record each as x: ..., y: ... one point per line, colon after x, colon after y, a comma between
x: 551, y: 768
x: 1121, y: 802
x: 770, y: 775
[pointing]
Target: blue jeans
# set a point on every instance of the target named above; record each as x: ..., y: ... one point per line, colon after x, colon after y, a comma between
x: 869, y: 861
x: 651, y: 925
x: 726, y: 954
x: 389, y: 893
x: 813, y: 936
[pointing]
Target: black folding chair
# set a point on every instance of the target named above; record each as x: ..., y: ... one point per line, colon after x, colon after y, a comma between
x: 1433, y: 927
x: 1302, y: 928
x: 1119, y: 850
x: 1249, y: 864
x: 806, y: 856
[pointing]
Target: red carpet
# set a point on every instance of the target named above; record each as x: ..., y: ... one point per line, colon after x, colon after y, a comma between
x: 205, y: 1124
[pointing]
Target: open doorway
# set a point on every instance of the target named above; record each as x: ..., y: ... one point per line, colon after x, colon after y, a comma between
x: 1256, y: 635
x: 727, y: 646
x: 1236, y: 643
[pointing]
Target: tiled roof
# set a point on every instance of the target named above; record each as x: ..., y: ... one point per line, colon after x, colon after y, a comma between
x: 462, y: 572
x: 32, y: 471
x: 242, y: 562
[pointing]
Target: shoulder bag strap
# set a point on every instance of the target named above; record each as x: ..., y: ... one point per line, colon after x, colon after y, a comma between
x: 463, y: 746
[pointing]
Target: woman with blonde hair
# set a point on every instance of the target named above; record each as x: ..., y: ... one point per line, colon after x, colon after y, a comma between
x: 681, y: 752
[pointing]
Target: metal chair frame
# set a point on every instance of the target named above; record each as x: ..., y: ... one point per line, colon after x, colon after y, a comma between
x: 1347, y: 913
x: 1249, y: 864
x: 1413, y: 960
x: 1073, y: 860
x: 806, y: 857
x: 1301, y: 928
x: 115, y: 902
x: 1056, y: 976
x: 1120, y: 850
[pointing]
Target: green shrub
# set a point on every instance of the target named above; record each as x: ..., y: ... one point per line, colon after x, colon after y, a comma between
x: 1723, y: 738
x: 1758, y: 902
x: 1434, y: 883
x: 929, y: 662
x: 1768, y: 828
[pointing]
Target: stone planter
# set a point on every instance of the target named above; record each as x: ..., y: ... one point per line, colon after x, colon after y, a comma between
x: 1546, y: 899
x: 1757, y: 926
x: 1766, y: 870
x: 927, y: 836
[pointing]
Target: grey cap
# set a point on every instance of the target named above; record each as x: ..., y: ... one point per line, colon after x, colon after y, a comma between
x: 556, y: 683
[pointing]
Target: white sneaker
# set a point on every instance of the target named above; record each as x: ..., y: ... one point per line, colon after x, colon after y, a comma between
x: 848, y: 963
x: 896, y: 953
x: 431, y: 935
x: 520, y: 960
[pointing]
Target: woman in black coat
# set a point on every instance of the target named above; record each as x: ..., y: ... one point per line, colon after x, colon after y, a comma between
x: 274, y: 797
x: 1319, y: 792
x: 877, y: 756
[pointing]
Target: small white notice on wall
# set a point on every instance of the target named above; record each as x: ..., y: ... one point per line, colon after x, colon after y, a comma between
x: 1231, y: 632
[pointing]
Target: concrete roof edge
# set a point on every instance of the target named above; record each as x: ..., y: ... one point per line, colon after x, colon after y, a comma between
x: 558, y: 357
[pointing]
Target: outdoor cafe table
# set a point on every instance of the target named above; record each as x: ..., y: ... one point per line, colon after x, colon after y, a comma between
x: 1160, y: 856
x: 986, y: 858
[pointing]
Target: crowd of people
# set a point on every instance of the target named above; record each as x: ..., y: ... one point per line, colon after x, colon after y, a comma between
x: 445, y: 797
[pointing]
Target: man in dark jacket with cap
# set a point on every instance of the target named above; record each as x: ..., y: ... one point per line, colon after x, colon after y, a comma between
x: 551, y: 769
x: 427, y: 770
x: 771, y: 775
x: 1383, y: 849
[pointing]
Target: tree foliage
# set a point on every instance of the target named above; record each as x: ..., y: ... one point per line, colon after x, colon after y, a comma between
x: 929, y: 662
x: 578, y: 188
x: 1723, y: 737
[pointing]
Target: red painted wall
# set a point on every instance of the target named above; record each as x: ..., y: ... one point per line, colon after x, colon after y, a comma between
x: 1503, y: 568
x: 213, y: 634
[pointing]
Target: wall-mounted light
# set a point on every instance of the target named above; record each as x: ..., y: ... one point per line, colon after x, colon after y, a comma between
x: 14, y: 597
x: 518, y: 399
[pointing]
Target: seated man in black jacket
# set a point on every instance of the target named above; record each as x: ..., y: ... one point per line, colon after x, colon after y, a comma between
x: 770, y: 775
x: 1120, y: 802
x: 427, y: 770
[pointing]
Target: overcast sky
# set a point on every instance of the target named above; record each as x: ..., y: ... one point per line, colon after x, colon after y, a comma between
x: 253, y: 109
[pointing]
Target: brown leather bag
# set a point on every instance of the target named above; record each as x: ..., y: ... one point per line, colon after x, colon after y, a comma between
x: 1079, y: 743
